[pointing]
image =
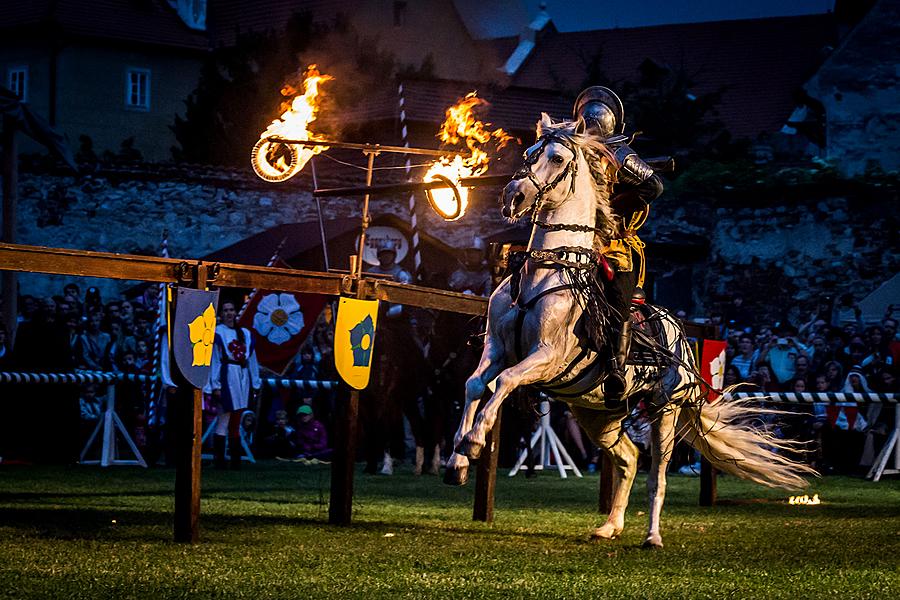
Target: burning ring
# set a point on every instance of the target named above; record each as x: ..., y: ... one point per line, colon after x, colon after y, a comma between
x: 447, y: 216
x: 275, y: 161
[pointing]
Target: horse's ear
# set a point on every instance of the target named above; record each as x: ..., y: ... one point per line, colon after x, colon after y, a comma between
x: 544, y: 123
x: 580, y: 126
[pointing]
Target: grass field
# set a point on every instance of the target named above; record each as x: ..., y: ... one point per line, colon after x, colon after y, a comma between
x: 86, y: 532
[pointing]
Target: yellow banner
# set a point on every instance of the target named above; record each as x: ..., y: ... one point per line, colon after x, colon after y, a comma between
x: 354, y: 339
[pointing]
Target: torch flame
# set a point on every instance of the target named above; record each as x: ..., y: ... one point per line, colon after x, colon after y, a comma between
x: 274, y: 161
x: 462, y: 128
x: 805, y: 499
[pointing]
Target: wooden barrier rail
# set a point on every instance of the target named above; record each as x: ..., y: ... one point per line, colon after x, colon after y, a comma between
x: 204, y: 274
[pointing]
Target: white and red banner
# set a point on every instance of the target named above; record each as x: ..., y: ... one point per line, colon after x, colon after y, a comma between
x: 712, y: 366
x: 280, y: 322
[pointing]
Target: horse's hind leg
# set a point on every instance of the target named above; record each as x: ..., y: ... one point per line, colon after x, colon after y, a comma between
x: 662, y: 443
x: 605, y: 430
x: 491, y: 364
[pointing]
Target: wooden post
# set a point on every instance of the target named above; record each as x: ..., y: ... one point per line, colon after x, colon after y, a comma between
x: 188, y: 431
x: 605, y: 495
x: 343, y: 463
x: 9, y: 171
x: 486, y: 475
x: 708, y: 491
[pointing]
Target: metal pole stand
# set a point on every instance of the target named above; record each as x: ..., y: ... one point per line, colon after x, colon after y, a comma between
x: 110, y: 422
x: 891, y: 445
x: 549, y: 445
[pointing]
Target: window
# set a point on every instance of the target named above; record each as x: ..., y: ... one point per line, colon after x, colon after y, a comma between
x: 18, y: 82
x: 137, y: 89
x: 399, y: 14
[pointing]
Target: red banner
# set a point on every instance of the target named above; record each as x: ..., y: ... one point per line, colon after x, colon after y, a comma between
x: 280, y: 323
x: 712, y: 366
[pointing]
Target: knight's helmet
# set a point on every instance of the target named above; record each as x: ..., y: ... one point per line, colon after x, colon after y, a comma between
x: 602, y: 111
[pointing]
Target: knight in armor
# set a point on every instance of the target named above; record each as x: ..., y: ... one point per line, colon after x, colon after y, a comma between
x: 635, y: 185
x: 472, y: 277
x: 387, y: 256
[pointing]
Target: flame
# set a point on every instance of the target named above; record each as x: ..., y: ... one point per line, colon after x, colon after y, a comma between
x: 461, y: 128
x: 805, y: 499
x: 274, y: 161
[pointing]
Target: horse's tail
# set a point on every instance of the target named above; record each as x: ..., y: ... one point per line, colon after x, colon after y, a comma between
x: 732, y: 436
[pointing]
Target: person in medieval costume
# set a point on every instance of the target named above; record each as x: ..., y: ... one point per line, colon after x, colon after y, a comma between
x: 233, y: 379
x: 472, y: 277
x: 634, y: 186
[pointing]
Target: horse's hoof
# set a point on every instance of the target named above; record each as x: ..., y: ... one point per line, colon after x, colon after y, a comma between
x: 469, y: 448
x: 605, y: 532
x: 456, y: 476
x: 652, y: 542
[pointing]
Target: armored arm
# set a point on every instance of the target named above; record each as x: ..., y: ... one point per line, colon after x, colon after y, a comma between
x: 635, y: 172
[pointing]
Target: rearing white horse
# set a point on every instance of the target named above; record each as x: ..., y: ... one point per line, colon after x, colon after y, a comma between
x: 536, y: 335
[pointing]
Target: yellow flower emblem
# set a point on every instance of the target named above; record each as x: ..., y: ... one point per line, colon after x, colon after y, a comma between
x: 203, y: 332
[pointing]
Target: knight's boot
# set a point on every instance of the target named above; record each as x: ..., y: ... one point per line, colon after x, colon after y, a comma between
x: 234, y: 445
x: 219, y: 451
x: 614, y: 384
x: 420, y: 460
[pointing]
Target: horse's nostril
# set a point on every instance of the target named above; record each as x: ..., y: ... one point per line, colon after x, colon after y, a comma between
x: 506, y: 211
x: 518, y: 199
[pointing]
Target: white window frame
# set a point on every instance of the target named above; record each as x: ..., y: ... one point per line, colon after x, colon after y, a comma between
x: 145, y: 106
x: 12, y: 72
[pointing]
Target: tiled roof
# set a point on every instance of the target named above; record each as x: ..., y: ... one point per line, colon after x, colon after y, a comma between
x: 142, y: 21
x: 513, y: 108
x: 229, y: 18
x: 760, y: 63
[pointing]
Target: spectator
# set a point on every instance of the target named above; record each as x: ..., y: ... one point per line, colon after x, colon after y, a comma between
x: 91, y: 348
x: 781, y: 355
x: 280, y: 443
x: 92, y: 301
x: 234, y: 377
x: 834, y: 373
x: 310, y: 439
x: 732, y: 376
x: 762, y: 378
x: 856, y: 382
x: 746, y: 359
x: 801, y: 368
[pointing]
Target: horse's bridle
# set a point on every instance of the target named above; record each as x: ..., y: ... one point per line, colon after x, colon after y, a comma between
x: 543, y: 189
x: 575, y: 257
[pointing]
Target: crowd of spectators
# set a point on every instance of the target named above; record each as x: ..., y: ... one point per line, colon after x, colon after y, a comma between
x: 832, y: 351
x: 68, y: 331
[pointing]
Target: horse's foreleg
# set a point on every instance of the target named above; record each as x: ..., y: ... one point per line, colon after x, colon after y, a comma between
x: 662, y: 443
x: 490, y: 365
x: 606, y: 431
x: 530, y: 370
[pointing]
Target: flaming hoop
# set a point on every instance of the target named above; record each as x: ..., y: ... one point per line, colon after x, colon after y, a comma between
x: 276, y: 161
x: 461, y: 128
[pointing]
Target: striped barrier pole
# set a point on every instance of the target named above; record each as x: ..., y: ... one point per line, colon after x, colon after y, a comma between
x: 103, y: 377
x: 414, y: 225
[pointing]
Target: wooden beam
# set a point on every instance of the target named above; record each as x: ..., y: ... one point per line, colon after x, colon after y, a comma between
x: 423, y: 297
x: 282, y: 280
x: 81, y: 263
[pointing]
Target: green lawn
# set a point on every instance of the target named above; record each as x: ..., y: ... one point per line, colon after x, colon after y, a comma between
x: 86, y: 532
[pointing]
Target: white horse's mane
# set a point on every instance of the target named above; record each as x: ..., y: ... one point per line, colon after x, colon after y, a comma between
x: 600, y: 161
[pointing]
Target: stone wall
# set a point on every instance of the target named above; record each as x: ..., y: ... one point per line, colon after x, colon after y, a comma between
x: 127, y: 213
x: 782, y: 248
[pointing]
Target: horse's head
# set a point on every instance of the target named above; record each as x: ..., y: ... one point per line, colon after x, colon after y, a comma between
x: 547, y: 177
